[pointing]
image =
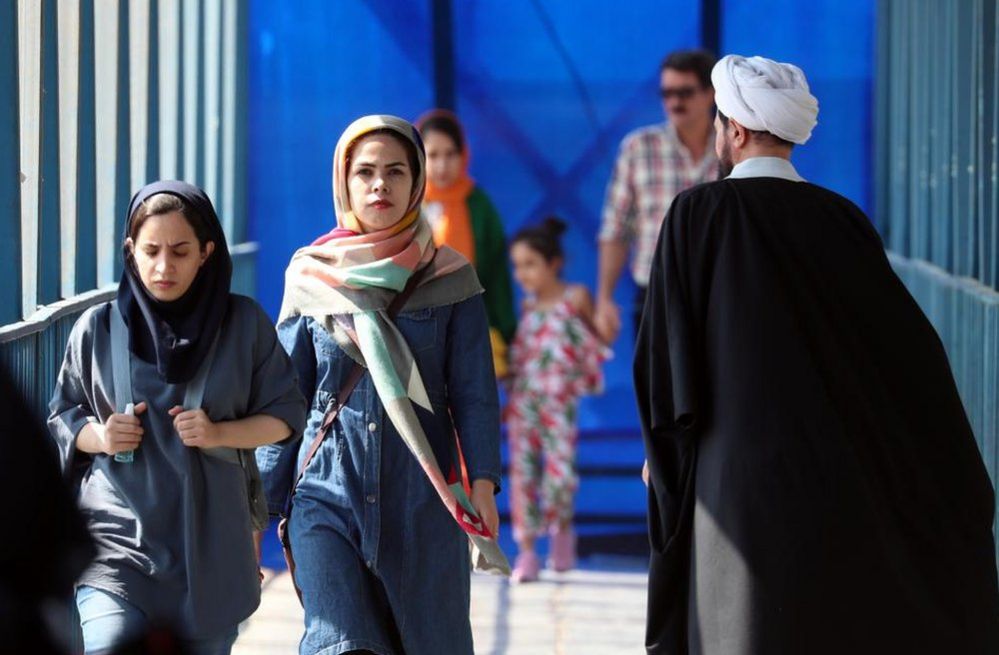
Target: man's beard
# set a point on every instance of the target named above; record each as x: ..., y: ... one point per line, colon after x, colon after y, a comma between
x: 725, y: 163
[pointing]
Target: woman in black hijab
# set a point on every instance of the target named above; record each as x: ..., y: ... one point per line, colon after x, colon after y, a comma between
x: 173, y: 327
x: 160, y: 393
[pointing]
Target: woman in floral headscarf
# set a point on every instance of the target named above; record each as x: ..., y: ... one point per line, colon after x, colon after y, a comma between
x: 380, y: 521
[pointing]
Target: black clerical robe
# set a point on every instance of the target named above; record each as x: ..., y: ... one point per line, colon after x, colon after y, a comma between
x: 815, y: 484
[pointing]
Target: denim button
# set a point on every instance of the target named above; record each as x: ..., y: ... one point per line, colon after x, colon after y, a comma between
x: 368, y: 563
x: 372, y: 427
x: 370, y: 498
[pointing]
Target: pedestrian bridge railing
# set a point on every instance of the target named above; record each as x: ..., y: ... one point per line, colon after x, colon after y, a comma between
x: 32, y: 350
x: 965, y: 313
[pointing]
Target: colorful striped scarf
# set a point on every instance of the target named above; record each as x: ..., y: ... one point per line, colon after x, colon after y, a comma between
x: 347, y: 279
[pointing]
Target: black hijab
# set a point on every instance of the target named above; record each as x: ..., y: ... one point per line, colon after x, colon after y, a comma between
x: 176, y: 335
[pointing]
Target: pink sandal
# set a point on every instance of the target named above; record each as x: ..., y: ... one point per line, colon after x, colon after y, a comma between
x: 526, y: 567
x: 562, y: 556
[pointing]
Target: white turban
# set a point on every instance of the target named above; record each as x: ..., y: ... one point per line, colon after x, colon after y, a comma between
x: 764, y: 95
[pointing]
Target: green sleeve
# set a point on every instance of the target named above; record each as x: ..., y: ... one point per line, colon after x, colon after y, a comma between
x: 491, y: 263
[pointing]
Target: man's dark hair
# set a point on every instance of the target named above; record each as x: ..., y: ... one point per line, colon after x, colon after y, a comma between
x: 691, y: 61
x: 759, y: 135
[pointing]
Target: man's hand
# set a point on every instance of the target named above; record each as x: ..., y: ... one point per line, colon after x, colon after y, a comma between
x: 196, y: 430
x: 607, y: 319
x: 484, y: 501
x: 645, y: 472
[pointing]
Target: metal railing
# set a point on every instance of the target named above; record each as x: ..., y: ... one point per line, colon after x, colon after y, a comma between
x: 32, y: 350
x: 965, y: 314
x: 97, y: 98
x: 937, y: 123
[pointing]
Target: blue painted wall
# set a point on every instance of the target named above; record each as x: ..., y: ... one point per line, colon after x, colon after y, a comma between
x: 833, y: 42
x: 546, y: 90
x: 315, y: 66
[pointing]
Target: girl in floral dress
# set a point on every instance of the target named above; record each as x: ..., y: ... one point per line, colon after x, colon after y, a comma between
x: 556, y: 357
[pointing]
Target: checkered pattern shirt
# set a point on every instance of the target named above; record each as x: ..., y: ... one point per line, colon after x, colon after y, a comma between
x: 652, y: 167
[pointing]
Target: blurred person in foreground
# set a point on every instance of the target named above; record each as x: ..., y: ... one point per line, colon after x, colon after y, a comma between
x: 46, y: 546
x: 815, y: 484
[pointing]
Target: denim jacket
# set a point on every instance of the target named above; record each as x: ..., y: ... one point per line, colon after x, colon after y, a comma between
x: 452, y: 350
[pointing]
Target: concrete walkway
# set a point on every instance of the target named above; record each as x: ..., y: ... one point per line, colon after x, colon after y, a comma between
x: 585, y: 612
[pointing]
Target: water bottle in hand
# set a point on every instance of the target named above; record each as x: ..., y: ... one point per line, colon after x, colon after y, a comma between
x: 126, y: 456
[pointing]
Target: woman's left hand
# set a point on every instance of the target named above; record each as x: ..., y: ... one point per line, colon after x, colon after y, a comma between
x: 484, y: 501
x: 196, y: 430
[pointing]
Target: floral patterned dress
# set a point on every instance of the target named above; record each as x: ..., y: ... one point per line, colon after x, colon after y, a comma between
x: 555, y: 359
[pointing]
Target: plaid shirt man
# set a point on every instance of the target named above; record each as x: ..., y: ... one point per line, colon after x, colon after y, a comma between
x: 653, y: 166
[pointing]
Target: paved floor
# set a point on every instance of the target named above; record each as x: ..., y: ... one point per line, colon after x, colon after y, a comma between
x: 585, y: 612
x: 597, y: 610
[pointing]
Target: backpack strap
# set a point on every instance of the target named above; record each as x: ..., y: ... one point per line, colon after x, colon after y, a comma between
x: 194, y: 396
x: 194, y: 391
x: 121, y: 365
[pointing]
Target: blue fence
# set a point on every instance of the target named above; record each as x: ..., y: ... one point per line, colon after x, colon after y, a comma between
x: 96, y: 99
x: 966, y: 315
x: 936, y: 129
x: 32, y: 351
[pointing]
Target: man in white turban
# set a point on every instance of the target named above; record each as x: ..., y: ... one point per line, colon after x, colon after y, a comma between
x: 814, y: 483
x: 765, y: 96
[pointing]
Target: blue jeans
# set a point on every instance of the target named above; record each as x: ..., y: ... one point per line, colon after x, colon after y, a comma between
x: 109, y: 621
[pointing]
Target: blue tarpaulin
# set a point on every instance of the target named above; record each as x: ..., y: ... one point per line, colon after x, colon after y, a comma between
x: 546, y: 90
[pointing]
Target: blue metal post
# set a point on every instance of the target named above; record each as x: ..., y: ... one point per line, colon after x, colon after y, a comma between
x: 239, y: 204
x: 10, y: 168
x: 153, y: 137
x: 122, y: 182
x: 86, y: 174
x: 443, y: 42
x: 199, y: 166
x: 49, y: 259
x: 711, y: 25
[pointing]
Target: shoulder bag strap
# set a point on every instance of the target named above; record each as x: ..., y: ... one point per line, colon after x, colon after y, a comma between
x: 356, y: 373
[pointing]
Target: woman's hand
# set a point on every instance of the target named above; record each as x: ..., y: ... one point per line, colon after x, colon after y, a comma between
x: 121, y: 433
x: 196, y: 430
x: 484, y: 501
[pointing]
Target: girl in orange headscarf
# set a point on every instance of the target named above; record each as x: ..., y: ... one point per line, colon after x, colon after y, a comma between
x: 463, y: 217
